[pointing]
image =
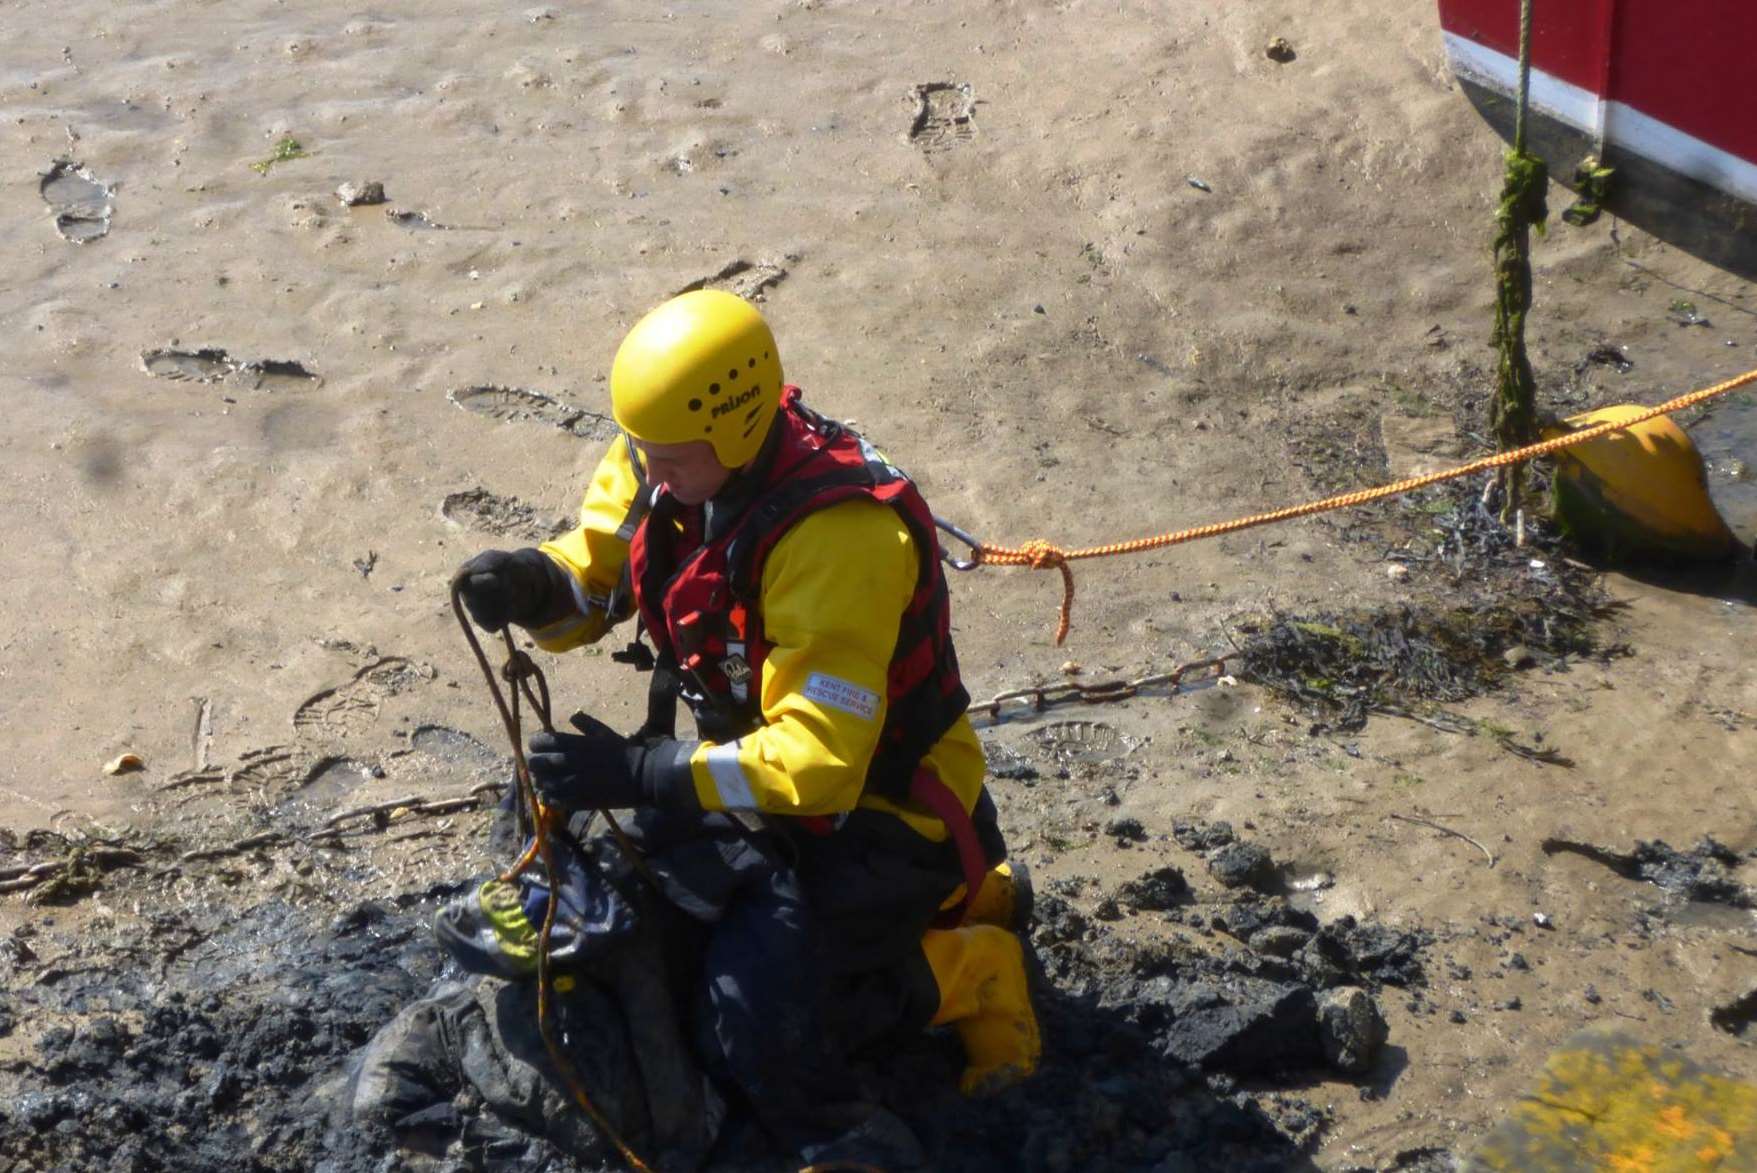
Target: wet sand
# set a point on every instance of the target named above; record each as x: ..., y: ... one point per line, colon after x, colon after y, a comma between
x: 1014, y: 288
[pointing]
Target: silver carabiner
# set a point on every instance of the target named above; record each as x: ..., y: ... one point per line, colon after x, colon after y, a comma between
x: 975, y: 546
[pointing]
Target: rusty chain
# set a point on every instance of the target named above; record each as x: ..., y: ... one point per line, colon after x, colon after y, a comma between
x: 1040, y: 697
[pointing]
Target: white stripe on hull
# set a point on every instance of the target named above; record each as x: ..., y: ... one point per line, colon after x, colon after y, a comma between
x: 1616, y: 122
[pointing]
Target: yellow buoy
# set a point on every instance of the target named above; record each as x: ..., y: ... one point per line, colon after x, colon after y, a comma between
x: 1641, y: 493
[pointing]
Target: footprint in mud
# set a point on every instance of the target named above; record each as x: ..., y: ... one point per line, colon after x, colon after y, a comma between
x: 352, y: 707
x: 478, y: 509
x: 1082, y: 741
x: 943, y: 116
x: 81, y: 204
x: 749, y: 280
x: 330, y: 779
x: 457, y: 748
x: 207, y: 365
x: 272, y: 769
x: 211, y: 364
x: 516, y: 403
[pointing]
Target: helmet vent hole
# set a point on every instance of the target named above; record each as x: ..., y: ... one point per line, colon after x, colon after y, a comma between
x: 733, y: 373
x: 713, y: 388
x: 695, y: 405
x: 752, y: 364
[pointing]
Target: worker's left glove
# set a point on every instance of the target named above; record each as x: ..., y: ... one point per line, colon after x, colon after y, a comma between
x: 599, y: 769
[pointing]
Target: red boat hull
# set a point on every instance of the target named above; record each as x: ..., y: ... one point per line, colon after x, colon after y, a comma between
x: 1671, y: 81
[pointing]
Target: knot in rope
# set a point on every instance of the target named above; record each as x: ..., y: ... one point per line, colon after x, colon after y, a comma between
x: 1042, y: 555
x: 518, y: 666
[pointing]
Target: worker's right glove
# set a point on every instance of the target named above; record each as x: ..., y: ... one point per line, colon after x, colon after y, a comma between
x: 599, y: 769
x: 525, y: 587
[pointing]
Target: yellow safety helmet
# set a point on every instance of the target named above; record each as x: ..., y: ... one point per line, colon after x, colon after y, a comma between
x: 702, y: 366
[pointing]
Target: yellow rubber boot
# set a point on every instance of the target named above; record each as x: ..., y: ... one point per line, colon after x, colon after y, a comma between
x: 1004, y: 899
x: 980, y: 971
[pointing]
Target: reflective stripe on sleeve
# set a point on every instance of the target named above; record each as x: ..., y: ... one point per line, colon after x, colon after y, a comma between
x: 728, y: 776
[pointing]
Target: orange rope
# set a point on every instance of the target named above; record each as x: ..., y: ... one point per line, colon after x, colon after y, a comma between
x: 545, y: 820
x: 1042, y: 555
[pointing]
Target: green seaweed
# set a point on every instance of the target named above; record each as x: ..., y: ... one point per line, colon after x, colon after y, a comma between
x: 285, y: 151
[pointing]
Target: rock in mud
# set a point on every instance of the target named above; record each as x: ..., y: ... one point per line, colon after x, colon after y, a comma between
x: 1160, y: 890
x: 1279, y: 940
x: 1126, y: 832
x: 1057, y: 921
x: 1253, y: 915
x: 1239, y: 864
x: 1197, y: 836
x: 1351, y: 1029
x: 1346, y: 952
x: 359, y: 195
x: 1243, y: 1026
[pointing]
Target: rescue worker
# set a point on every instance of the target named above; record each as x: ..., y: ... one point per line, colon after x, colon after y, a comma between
x: 788, y: 577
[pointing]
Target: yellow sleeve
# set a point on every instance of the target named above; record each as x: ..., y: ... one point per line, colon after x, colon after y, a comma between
x: 833, y: 591
x: 594, y: 553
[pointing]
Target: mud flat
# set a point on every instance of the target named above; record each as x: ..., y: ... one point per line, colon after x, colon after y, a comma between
x: 975, y: 231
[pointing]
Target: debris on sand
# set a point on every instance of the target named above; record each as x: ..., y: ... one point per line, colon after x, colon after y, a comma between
x: 285, y: 151
x: 82, y: 205
x: 1500, y: 597
x: 1279, y: 51
x: 414, y: 221
x: 59, y: 869
x: 1702, y: 873
x: 211, y: 364
x: 360, y: 195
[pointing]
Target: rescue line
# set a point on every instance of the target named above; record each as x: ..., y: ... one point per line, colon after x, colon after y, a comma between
x: 1042, y: 555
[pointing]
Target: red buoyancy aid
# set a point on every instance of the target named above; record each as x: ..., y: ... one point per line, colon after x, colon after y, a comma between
x: 700, y: 605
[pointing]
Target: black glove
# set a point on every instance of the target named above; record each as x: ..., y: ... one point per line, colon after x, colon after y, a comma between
x: 525, y: 587
x: 599, y: 769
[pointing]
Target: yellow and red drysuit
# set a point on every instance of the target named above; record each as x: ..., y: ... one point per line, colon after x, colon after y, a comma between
x: 802, y: 613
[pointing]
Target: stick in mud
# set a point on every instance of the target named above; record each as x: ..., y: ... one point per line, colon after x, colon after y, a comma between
x: 1419, y: 821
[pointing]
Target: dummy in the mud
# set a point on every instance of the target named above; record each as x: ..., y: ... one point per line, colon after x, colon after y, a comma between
x: 826, y: 834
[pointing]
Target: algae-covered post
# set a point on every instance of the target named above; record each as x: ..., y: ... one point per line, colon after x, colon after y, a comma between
x: 1513, y: 410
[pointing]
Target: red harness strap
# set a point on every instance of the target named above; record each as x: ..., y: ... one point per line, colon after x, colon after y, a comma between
x: 927, y: 790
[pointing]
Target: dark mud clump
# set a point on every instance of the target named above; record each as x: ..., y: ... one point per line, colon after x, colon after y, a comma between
x: 211, y: 1059
x: 1200, y: 837
x: 1160, y: 890
x: 1735, y: 1017
x: 1702, y: 873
